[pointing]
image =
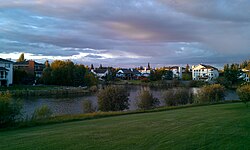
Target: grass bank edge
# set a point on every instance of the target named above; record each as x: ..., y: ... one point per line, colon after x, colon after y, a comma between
x: 97, y: 115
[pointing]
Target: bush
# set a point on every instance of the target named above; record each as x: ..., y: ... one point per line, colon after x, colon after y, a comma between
x: 175, y: 82
x: 210, y: 94
x: 146, y: 100
x: 9, y: 109
x: 179, y: 96
x: 113, y: 98
x: 223, y: 81
x: 88, y: 106
x: 244, y: 93
x: 195, y: 83
x: 41, y: 113
x: 93, y: 89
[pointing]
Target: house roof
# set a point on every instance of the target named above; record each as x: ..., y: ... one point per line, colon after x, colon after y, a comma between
x: 204, y: 67
x: 27, y: 62
x: 5, y: 60
x: 135, y: 71
x: 3, y: 69
x: 126, y: 71
x: 100, y: 70
x: 174, y: 67
x: 208, y: 66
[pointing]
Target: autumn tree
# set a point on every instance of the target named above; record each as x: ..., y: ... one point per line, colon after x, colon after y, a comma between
x: 21, y: 58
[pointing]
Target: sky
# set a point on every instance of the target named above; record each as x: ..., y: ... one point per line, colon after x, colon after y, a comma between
x: 124, y: 33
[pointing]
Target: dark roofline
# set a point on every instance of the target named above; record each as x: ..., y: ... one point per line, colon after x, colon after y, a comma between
x: 3, y: 69
x: 208, y: 66
x: 5, y: 60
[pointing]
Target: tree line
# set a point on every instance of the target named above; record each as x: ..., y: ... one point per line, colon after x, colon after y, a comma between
x: 67, y: 73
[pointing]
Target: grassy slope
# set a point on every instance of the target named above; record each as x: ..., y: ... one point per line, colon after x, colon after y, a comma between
x: 225, y: 126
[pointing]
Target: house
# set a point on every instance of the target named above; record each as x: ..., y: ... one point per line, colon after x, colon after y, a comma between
x: 128, y: 74
x: 144, y: 70
x: 6, y: 72
x: 124, y: 74
x: 204, y: 72
x: 245, y: 75
x: 100, y: 72
x: 177, y: 71
x: 31, y: 67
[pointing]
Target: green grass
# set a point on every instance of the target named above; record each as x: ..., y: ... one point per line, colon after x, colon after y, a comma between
x: 224, y: 126
x: 29, y: 87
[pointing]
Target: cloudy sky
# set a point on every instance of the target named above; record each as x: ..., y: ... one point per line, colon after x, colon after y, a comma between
x: 126, y: 32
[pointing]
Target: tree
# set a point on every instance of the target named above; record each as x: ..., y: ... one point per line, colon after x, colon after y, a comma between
x: 47, y: 64
x: 90, y: 79
x: 113, y: 98
x: 67, y: 73
x: 187, y: 69
x: 92, y: 66
x: 146, y: 100
x: 231, y: 73
x: 9, y: 109
x: 210, y: 94
x: 244, y: 93
x: 187, y: 76
x: 179, y: 96
x: 19, y: 76
x: 168, y: 75
x: 149, y: 66
x: 21, y: 58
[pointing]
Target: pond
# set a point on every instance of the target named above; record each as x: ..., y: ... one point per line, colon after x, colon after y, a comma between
x: 74, y: 105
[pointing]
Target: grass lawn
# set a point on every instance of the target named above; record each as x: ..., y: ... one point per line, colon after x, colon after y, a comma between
x: 28, y: 87
x: 224, y: 126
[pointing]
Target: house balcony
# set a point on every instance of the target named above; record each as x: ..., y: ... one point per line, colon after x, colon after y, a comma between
x: 3, y: 77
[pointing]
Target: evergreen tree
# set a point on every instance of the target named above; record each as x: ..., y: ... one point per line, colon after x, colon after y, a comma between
x: 149, y: 66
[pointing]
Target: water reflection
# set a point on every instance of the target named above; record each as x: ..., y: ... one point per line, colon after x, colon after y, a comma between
x: 74, y: 105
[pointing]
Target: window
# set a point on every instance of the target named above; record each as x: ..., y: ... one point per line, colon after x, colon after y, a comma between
x: 7, y: 65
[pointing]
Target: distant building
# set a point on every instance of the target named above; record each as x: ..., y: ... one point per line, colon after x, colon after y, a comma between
x: 31, y: 67
x: 128, y: 74
x: 6, y: 72
x: 145, y: 72
x: 100, y: 73
x: 204, y: 72
x: 177, y: 71
x: 245, y: 75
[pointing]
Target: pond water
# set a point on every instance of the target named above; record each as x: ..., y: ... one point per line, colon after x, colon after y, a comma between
x: 74, y: 105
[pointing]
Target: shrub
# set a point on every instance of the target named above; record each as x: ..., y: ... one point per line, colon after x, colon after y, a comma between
x: 244, y: 93
x: 210, y: 94
x: 88, y: 106
x: 41, y: 113
x: 195, y: 83
x: 146, y: 100
x: 9, y: 109
x: 146, y: 80
x: 179, y: 96
x: 113, y: 98
x: 223, y: 81
x: 175, y: 82
x: 93, y: 89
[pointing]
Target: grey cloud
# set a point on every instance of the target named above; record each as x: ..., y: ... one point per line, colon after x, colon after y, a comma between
x: 154, y: 30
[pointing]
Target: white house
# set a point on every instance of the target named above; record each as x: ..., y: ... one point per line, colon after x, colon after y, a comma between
x: 6, y: 72
x: 145, y: 72
x: 177, y: 71
x: 100, y: 73
x: 204, y: 72
x: 245, y: 75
